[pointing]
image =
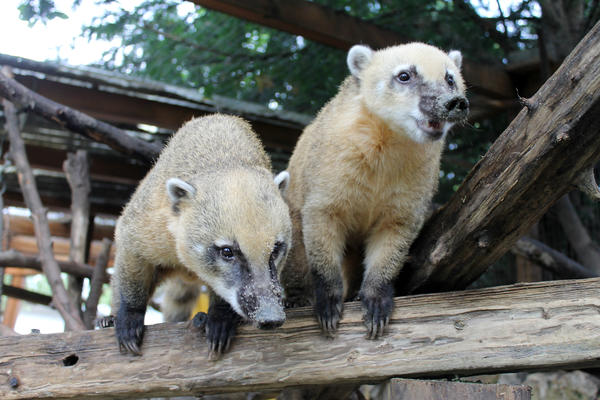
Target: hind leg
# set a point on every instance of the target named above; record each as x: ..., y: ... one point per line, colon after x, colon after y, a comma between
x: 180, y: 299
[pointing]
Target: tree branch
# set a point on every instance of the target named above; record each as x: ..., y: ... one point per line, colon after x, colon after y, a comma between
x: 27, y: 181
x: 77, y: 121
x: 98, y: 279
x: 550, y: 259
x: 13, y: 258
x: 529, y: 167
x: 587, y: 252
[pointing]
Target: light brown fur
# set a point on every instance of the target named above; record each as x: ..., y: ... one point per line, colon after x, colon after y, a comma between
x: 223, y: 195
x: 361, y: 181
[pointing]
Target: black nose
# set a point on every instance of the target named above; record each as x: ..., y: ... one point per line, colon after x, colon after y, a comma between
x: 271, y: 324
x: 457, y: 103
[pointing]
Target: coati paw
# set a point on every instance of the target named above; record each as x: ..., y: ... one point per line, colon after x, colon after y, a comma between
x: 220, y: 330
x: 329, y: 312
x: 377, y: 309
x: 105, y: 322
x: 129, y: 327
x: 328, y: 305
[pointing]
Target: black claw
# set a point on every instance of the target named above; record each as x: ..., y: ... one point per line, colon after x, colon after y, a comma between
x: 220, y: 325
x: 105, y: 322
x: 328, y: 306
x: 129, y: 328
x: 377, y: 309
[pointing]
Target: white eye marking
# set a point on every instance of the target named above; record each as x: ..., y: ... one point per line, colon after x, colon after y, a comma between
x: 223, y: 243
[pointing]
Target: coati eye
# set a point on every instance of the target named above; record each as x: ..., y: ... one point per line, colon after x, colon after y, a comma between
x: 450, y: 80
x: 226, y: 253
x: 403, y: 76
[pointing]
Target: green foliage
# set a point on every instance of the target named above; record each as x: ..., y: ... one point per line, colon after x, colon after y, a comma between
x: 35, y: 11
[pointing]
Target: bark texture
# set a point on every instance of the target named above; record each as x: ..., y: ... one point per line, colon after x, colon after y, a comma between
x: 546, y: 325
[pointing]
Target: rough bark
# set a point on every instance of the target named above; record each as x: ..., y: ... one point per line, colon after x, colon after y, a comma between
x: 550, y: 259
x: 13, y: 258
x: 76, y: 168
x: 51, y: 269
x: 98, y: 279
x: 520, y: 327
x: 530, y: 166
x: 587, y: 251
x: 76, y: 121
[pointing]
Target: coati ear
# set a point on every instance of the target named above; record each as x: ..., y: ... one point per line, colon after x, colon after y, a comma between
x: 456, y: 57
x: 282, y: 180
x: 179, y: 190
x: 359, y: 57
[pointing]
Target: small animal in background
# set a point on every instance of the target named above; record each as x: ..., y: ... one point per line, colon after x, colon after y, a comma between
x: 362, y: 177
x: 209, y: 209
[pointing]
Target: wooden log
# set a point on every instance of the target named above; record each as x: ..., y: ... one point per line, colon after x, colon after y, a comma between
x: 520, y: 327
x: 51, y: 269
x: 77, y: 121
x: 398, y: 389
x: 531, y: 165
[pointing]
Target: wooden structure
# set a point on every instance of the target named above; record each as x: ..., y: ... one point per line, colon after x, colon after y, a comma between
x: 521, y: 327
x: 544, y: 325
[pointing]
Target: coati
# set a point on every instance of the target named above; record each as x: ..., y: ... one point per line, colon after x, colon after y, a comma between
x: 362, y: 177
x: 209, y: 209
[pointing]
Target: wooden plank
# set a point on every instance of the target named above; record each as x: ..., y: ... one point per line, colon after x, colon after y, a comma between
x: 406, y: 389
x: 338, y: 29
x: 519, y: 327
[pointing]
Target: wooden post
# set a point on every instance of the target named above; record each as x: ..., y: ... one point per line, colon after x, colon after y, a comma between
x: 76, y: 168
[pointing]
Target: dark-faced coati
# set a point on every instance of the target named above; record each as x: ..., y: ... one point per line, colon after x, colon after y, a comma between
x: 363, y: 174
x: 209, y: 209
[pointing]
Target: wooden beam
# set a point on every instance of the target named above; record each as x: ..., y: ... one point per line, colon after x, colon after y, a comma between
x: 535, y: 161
x: 520, y: 327
x: 338, y: 29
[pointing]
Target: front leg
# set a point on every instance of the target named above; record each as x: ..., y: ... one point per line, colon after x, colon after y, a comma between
x: 132, y: 285
x: 385, y: 253
x: 221, y: 325
x: 324, y: 243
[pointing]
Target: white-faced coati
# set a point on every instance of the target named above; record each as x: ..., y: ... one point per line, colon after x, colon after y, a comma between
x: 209, y: 209
x: 362, y: 177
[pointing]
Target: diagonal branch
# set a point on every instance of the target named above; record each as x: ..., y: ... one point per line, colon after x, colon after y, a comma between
x: 42, y: 232
x: 77, y: 121
x: 98, y: 278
